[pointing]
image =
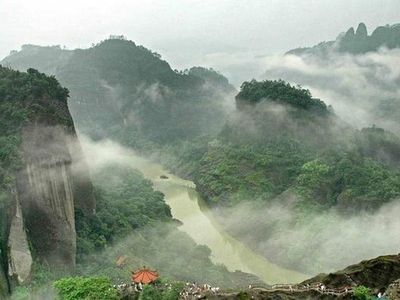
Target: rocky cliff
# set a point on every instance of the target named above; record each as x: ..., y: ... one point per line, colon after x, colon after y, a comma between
x: 357, y: 42
x: 44, y: 186
x: 19, y: 253
x: 43, y: 176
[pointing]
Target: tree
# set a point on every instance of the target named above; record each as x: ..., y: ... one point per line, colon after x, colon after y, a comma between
x: 88, y: 288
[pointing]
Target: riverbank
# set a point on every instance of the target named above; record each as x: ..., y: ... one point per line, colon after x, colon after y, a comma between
x: 197, y: 221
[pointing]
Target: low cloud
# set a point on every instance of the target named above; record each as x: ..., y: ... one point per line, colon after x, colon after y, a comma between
x: 357, y: 86
x: 326, y: 242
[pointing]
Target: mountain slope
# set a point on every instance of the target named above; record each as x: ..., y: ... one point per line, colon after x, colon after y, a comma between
x: 120, y: 88
x: 357, y: 74
x: 280, y: 169
x: 280, y: 147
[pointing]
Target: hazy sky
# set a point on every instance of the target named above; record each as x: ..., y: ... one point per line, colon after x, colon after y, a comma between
x: 189, y: 32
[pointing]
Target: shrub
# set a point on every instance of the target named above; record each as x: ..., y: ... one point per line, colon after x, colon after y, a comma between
x: 362, y: 293
x: 87, y: 288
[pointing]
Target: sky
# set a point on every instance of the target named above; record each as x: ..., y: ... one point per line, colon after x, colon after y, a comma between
x: 214, y: 33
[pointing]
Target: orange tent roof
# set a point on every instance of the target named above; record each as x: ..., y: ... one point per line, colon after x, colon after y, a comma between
x: 144, y: 275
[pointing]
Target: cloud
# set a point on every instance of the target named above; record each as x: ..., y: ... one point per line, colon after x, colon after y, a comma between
x: 325, y: 243
x: 357, y: 86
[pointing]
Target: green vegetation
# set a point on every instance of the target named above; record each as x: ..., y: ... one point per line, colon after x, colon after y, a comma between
x: 310, y: 163
x: 281, y: 92
x: 347, y: 169
x: 125, y: 201
x: 151, y: 292
x: 119, y: 88
x: 24, y: 97
x: 132, y: 220
x: 362, y: 293
x: 88, y: 288
x: 279, y: 141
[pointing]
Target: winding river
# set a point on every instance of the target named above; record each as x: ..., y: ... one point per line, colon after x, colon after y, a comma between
x: 197, y: 221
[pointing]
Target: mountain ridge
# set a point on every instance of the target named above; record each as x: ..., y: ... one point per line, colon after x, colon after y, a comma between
x: 356, y: 42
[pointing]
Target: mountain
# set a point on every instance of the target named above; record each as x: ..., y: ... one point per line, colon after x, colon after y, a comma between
x: 357, y: 42
x: 363, y: 280
x: 56, y: 220
x: 274, y: 162
x: 41, y: 175
x: 359, y: 281
x: 377, y: 274
x: 119, y: 88
x: 281, y: 161
x: 357, y: 74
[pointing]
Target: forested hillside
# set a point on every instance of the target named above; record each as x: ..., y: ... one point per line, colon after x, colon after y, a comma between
x: 119, y: 88
x: 280, y: 151
x: 357, y: 74
x: 275, y: 163
x: 51, y: 224
x: 279, y: 146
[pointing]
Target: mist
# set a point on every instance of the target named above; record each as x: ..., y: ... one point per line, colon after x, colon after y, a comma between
x: 164, y: 245
x: 327, y: 242
x: 190, y: 33
x: 357, y: 86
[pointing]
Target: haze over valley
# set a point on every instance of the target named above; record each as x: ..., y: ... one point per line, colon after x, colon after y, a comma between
x: 247, y: 159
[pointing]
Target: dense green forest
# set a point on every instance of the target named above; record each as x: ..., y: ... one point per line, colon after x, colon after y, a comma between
x: 326, y: 165
x: 120, y: 88
x: 280, y: 92
x: 279, y: 146
x: 265, y: 157
x: 131, y: 218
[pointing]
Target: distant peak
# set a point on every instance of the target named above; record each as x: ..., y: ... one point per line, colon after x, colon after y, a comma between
x: 362, y: 30
x: 350, y: 33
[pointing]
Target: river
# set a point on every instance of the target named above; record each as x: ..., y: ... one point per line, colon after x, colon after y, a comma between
x: 198, y: 222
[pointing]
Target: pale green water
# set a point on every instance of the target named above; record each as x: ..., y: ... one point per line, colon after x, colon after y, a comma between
x: 188, y: 207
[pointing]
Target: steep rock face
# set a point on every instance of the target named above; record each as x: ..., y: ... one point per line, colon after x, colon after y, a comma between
x: 46, y: 191
x: 82, y: 187
x: 43, y: 175
x: 3, y: 283
x: 19, y: 256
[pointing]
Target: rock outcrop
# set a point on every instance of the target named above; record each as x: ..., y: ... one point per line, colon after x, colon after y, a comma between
x: 362, y: 31
x: 45, y: 188
x: 47, y: 178
x: 19, y: 254
x: 3, y: 283
x: 393, y: 291
x: 356, y: 42
x: 375, y: 274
